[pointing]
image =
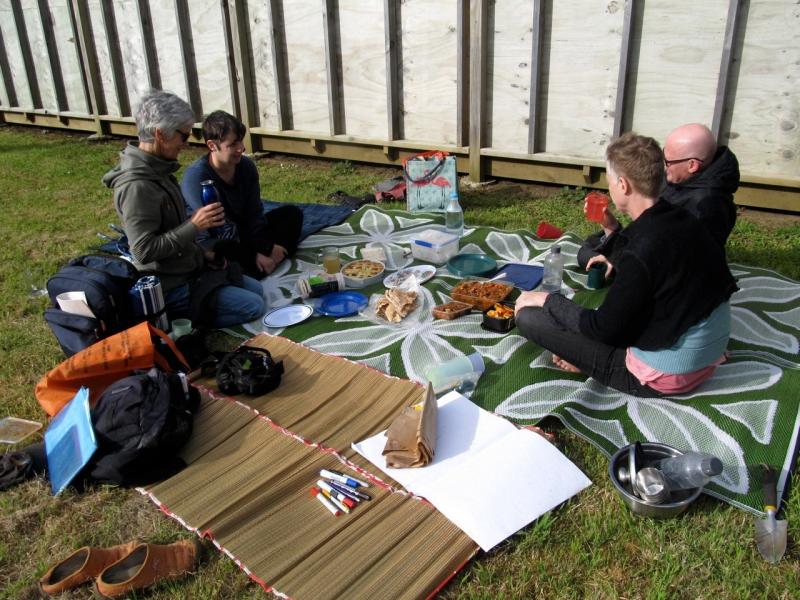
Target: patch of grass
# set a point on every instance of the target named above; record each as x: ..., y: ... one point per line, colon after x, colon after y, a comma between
x: 53, y: 204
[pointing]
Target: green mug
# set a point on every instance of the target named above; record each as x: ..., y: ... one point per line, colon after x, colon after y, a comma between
x: 597, y: 276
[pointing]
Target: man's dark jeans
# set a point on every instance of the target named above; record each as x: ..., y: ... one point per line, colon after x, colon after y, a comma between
x: 595, y: 359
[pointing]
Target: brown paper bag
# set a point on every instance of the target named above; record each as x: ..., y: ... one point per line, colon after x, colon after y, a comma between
x: 411, y: 438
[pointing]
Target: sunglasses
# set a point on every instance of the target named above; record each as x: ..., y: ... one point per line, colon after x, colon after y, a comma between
x: 184, y: 136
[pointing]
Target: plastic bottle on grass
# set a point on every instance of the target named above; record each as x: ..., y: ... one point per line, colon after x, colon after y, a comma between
x: 553, y: 270
x: 461, y: 373
x: 690, y: 470
x: 454, y: 216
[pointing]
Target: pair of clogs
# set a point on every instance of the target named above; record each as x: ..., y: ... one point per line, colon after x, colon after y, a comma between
x: 121, y: 569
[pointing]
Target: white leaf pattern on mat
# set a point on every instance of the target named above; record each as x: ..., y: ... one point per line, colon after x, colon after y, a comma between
x: 737, y: 377
x: 508, y: 246
x: 765, y: 289
x: 406, y: 223
x: 540, y: 399
x: 757, y: 415
x: 788, y: 317
x: 422, y: 342
x: 610, y: 429
x: 685, y: 428
x: 748, y: 327
x: 500, y: 353
x: 379, y: 363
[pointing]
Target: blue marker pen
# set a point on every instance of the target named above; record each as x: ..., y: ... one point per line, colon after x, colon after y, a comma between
x: 348, y: 491
x: 343, y: 489
x: 341, y: 477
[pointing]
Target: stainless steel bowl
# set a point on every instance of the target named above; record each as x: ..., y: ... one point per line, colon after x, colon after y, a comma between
x: 652, y: 451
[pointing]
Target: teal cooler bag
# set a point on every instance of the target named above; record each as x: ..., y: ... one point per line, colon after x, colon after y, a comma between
x: 430, y: 179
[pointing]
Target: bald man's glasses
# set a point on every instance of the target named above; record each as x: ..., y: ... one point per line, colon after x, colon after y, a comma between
x: 669, y: 163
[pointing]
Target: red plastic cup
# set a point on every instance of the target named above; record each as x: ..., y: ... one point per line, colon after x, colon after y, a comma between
x: 596, y: 203
x: 546, y: 231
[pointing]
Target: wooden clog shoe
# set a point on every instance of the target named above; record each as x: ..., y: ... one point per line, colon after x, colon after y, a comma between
x: 81, y: 566
x: 146, y: 565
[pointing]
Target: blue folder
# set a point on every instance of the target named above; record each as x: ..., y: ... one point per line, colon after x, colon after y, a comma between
x: 525, y: 277
x: 69, y: 441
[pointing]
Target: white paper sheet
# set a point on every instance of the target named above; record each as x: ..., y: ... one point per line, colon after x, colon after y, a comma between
x: 75, y: 303
x: 488, y: 477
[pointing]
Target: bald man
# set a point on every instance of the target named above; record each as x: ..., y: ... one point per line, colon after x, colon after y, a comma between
x: 698, y: 176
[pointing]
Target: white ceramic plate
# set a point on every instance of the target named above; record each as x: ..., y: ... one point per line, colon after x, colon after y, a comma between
x: 287, y: 315
x: 422, y: 272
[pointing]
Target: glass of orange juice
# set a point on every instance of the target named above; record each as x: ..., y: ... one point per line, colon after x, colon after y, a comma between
x: 330, y: 259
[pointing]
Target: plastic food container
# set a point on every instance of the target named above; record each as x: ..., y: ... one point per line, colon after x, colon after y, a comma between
x: 451, y: 310
x: 481, y: 294
x: 434, y: 246
x: 498, y: 324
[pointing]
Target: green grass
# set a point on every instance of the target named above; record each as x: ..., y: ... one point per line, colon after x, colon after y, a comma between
x: 52, y: 204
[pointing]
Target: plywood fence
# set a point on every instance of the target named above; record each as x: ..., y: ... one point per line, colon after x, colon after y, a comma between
x: 528, y: 89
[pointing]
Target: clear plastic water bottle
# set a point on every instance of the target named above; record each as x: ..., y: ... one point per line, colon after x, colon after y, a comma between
x: 454, y: 216
x: 690, y: 470
x: 553, y: 270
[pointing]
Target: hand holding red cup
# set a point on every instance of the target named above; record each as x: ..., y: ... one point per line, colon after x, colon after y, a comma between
x: 595, y: 206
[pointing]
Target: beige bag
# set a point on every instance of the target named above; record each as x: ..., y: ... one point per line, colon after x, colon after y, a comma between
x: 411, y: 438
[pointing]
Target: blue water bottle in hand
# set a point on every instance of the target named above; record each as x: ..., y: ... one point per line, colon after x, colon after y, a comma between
x: 209, y: 195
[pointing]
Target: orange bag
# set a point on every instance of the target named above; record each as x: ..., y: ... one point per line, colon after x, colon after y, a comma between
x: 106, y: 361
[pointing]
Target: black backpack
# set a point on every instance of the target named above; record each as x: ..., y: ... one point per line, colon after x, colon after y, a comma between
x: 248, y: 370
x: 106, y: 281
x: 141, y: 422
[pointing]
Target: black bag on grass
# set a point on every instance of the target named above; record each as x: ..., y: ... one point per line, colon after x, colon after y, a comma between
x: 249, y: 370
x: 141, y: 422
x: 106, y: 281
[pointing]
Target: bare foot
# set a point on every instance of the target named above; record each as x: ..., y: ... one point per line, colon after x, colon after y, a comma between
x: 564, y: 365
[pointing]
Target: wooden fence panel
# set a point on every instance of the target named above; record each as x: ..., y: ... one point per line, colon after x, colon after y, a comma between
x: 166, y: 35
x: 518, y: 88
x: 364, y: 70
x: 429, y: 70
x: 306, y: 61
x: 67, y: 44
x: 210, y: 54
x: 508, y: 72
x: 39, y: 54
x: 582, y: 42
x: 131, y: 47
x: 679, y: 49
x: 765, y: 124
x: 267, y: 107
x: 104, y: 62
x: 16, y: 63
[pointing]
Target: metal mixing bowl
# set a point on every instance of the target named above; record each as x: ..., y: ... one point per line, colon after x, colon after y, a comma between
x: 653, y: 451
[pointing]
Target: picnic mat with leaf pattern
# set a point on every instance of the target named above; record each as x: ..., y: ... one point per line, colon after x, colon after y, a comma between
x: 746, y: 414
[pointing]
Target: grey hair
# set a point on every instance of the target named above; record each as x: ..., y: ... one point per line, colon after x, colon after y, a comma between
x: 161, y: 110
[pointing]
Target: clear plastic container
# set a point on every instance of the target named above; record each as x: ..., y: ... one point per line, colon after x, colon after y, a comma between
x: 461, y: 373
x: 434, y: 246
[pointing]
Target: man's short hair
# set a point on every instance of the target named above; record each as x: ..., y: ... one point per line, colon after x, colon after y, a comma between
x: 640, y: 160
x: 161, y: 110
x: 218, y: 124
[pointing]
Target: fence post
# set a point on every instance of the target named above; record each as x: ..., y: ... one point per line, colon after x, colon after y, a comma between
x: 90, y: 72
x: 477, y: 85
x: 240, y: 66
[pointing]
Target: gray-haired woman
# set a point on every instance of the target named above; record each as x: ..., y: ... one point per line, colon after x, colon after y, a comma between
x: 162, y: 240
